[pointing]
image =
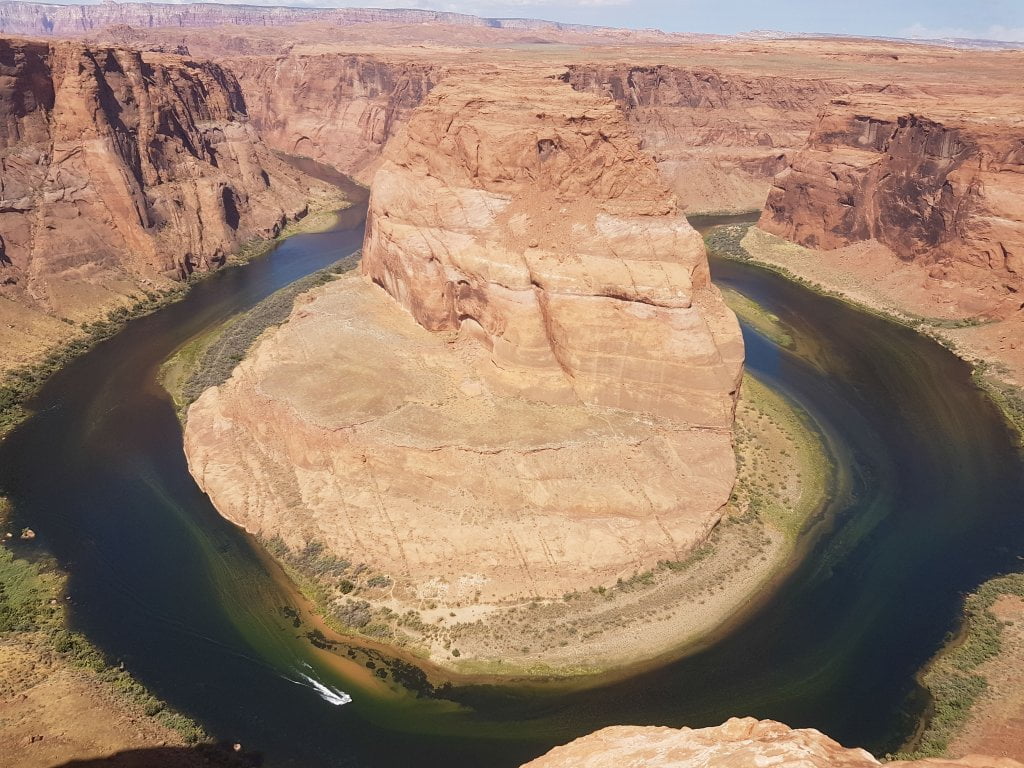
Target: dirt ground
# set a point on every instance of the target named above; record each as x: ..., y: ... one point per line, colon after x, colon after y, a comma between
x: 51, y: 711
x: 996, y: 724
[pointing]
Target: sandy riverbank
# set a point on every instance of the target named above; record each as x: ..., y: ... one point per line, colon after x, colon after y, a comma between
x: 871, y: 276
x: 783, y: 481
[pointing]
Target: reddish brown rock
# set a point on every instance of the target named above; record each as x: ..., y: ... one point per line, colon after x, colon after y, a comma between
x: 122, y: 171
x: 337, y: 109
x: 939, y: 182
x: 718, y: 137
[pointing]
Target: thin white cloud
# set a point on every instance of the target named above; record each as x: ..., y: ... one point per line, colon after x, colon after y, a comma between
x: 996, y: 32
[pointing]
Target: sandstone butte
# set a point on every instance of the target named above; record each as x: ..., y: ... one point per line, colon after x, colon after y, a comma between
x: 738, y: 743
x: 728, y: 121
x: 529, y: 391
x: 122, y: 172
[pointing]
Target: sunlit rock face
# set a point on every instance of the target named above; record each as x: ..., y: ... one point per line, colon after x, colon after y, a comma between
x: 122, y: 171
x: 530, y: 388
x: 739, y: 743
x: 541, y: 229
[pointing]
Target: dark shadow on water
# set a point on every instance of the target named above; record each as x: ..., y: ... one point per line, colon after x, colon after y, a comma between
x: 201, y: 756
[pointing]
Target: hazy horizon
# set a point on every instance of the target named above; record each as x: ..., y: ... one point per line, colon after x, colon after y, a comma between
x: 1001, y: 20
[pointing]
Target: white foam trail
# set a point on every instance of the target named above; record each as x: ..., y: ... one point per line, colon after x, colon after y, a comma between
x: 334, y: 696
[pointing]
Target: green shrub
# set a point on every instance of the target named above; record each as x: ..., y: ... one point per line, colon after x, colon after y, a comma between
x: 952, y: 678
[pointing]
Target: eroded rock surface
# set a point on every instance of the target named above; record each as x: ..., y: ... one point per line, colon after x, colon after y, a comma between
x: 718, y: 137
x: 939, y: 182
x: 121, y: 171
x: 739, y: 743
x: 340, y: 110
x: 541, y: 401
x: 547, y: 234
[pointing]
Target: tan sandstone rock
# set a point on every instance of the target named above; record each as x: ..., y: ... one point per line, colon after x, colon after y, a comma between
x: 738, y: 743
x: 544, y: 405
x: 540, y: 228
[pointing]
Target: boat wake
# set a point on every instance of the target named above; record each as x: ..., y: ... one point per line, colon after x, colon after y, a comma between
x: 334, y: 696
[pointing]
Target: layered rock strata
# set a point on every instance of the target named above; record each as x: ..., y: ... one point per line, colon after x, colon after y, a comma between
x: 938, y: 182
x: 337, y: 109
x: 26, y: 18
x: 738, y: 743
x: 120, y: 172
x: 717, y: 137
x: 540, y: 399
x: 545, y: 233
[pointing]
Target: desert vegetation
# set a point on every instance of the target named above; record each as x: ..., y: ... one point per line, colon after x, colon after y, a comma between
x: 783, y: 479
x: 21, y: 383
x: 208, y: 360
x: 34, y: 632
x: 954, y: 678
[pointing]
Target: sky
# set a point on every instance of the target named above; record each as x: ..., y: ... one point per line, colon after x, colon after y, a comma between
x: 982, y: 19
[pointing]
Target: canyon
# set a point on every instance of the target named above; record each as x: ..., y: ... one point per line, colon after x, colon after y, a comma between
x: 122, y: 174
x: 527, y: 264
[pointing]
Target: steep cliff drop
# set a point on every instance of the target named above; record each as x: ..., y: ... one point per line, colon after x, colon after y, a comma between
x: 736, y: 744
x: 717, y: 137
x: 914, y: 205
x: 337, y: 109
x: 121, y: 173
x: 539, y: 401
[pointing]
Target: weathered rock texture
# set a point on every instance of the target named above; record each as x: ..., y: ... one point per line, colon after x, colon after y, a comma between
x: 546, y: 233
x: 739, y: 743
x: 939, y: 182
x: 542, y: 403
x: 339, y: 110
x: 120, y: 171
x: 718, y: 138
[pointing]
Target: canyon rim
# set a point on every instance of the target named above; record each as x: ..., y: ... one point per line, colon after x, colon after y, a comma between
x: 516, y: 441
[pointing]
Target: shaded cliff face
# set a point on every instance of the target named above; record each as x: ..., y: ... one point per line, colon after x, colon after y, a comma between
x: 540, y: 379
x: 736, y: 744
x: 120, y: 171
x: 718, y: 138
x: 337, y: 109
x: 933, y: 184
